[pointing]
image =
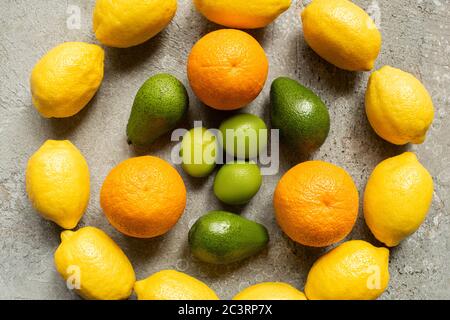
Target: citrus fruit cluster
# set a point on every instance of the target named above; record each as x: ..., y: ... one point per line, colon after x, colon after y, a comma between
x: 316, y: 203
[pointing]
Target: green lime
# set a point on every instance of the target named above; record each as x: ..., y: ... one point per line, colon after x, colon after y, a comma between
x: 244, y: 135
x: 236, y: 183
x: 198, y: 152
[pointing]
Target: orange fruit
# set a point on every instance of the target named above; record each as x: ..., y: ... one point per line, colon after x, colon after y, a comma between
x: 316, y: 203
x: 143, y: 197
x: 227, y: 69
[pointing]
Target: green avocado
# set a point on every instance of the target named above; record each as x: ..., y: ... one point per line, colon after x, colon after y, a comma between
x: 159, y: 105
x: 299, y: 114
x: 221, y: 237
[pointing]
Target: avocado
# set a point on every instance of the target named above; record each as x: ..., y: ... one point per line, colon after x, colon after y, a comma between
x: 221, y: 237
x: 299, y: 114
x: 159, y: 105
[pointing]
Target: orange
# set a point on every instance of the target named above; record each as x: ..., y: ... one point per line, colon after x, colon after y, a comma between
x: 143, y: 197
x: 227, y: 69
x: 316, y: 203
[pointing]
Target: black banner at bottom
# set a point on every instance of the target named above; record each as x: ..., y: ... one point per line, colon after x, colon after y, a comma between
x: 219, y: 309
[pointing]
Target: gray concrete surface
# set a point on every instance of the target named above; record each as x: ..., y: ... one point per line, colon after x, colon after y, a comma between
x: 416, y: 38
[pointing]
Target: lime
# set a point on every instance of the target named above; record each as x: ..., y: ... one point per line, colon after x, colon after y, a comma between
x: 198, y: 152
x: 244, y: 135
x: 236, y: 183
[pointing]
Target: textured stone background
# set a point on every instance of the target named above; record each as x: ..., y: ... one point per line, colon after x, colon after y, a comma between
x: 416, y: 38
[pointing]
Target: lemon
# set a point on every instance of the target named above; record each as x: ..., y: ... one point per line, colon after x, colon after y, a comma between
x: 173, y: 285
x: 342, y: 33
x: 57, y: 182
x: 242, y: 14
x: 270, y: 291
x: 94, y: 265
x: 355, y: 270
x: 66, y: 79
x: 127, y: 23
x: 398, y: 106
x: 397, y: 198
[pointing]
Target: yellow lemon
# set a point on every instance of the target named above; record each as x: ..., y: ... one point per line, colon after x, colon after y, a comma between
x: 355, y: 270
x: 173, y: 285
x: 94, y: 265
x: 398, y: 106
x: 242, y: 14
x: 397, y: 198
x: 270, y: 291
x: 57, y: 182
x: 342, y: 33
x: 66, y: 79
x: 127, y: 23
